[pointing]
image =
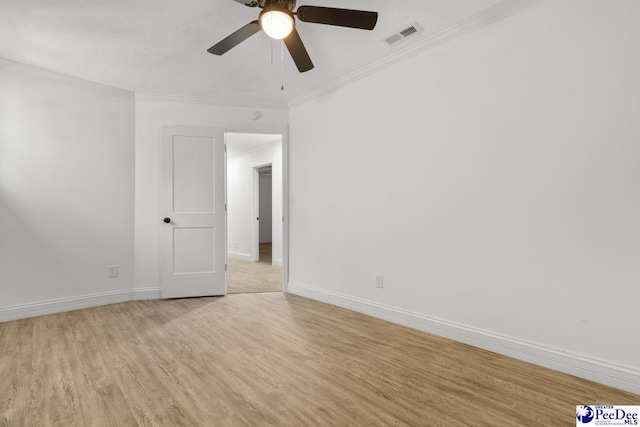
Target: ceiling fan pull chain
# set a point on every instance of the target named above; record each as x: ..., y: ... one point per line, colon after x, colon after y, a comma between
x: 282, y: 63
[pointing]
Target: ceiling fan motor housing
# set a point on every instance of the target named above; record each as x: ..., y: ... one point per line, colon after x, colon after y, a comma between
x: 285, y: 4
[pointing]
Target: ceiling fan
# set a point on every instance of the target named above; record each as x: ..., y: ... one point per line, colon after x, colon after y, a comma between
x: 277, y: 20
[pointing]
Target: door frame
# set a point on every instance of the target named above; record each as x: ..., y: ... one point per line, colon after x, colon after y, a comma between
x: 284, y: 131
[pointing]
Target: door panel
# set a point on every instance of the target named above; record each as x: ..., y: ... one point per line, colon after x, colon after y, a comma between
x: 193, y: 174
x: 192, y: 245
x: 194, y: 250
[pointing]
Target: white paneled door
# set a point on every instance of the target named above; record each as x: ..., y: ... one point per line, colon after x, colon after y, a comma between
x: 192, y: 213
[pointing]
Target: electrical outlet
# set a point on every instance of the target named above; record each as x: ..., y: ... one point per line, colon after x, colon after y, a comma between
x: 112, y: 271
x: 236, y: 246
x: 379, y: 281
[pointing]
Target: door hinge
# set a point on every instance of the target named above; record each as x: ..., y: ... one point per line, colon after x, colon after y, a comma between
x: 225, y: 267
x: 225, y: 207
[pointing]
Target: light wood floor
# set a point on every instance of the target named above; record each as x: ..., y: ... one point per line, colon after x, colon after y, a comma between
x: 265, y: 251
x: 261, y: 276
x: 266, y: 359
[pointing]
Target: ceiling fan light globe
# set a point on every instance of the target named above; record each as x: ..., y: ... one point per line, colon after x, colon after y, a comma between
x: 277, y: 23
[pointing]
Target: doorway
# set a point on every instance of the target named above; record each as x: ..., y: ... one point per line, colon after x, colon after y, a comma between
x: 254, y: 212
x: 265, y: 214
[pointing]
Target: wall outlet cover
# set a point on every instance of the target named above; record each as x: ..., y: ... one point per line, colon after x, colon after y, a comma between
x: 379, y: 281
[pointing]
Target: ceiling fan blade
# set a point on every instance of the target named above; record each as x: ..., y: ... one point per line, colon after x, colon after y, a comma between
x: 250, y: 3
x: 298, y: 51
x: 361, y: 19
x: 235, y: 39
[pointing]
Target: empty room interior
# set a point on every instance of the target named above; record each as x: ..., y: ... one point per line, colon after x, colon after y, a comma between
x: 322, y: 213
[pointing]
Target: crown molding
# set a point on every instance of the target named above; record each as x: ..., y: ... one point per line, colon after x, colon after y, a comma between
x: 18, y: 67
x: 209, y: 100
x: 487, y: 17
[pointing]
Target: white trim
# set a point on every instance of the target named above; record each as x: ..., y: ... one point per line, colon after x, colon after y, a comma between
x: 209, y: 100
x: 239, y: 255
x: 479, y: 20
x: 277, y: 263
x: 64, y: 79
x: 60, y: 305
x: 63, y: 304
x: 605, y: 372
x: 255, y: 213
x: 146, y: 293
x: 285, y: 211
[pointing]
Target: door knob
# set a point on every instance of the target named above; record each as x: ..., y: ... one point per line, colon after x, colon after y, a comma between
x: 167, y: 220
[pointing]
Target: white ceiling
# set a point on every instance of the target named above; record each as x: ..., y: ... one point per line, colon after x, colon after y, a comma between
x: 160, y: 46
x: 240, y: 143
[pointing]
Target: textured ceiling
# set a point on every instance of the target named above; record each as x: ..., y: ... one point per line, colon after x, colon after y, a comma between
x: 159, y: 46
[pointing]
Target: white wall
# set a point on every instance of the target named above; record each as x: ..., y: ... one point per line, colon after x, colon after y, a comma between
x: 66, y: 189
x: 241, y: 217
x: 494, y: 181
x: 151, y: 116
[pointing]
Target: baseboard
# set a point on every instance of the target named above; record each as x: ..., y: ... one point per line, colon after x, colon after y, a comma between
x: 604, y: 372
x: 146, y: 293
x: 277, y: 262
x: 63, y: 304
x: 75, y: 303
x: 239, y: 255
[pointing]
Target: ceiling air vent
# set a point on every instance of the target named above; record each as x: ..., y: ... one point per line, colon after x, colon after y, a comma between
x: 403, y: 34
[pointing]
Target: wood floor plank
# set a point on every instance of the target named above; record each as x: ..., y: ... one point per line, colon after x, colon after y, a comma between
x: 15, y: 367
x: 266, y: 359
x: 84, y: 364
x: 54, y: 398
x: 261, y: 276
x: 115, y: 408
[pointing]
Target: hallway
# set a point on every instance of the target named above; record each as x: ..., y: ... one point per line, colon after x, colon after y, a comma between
x: 248, y: 277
